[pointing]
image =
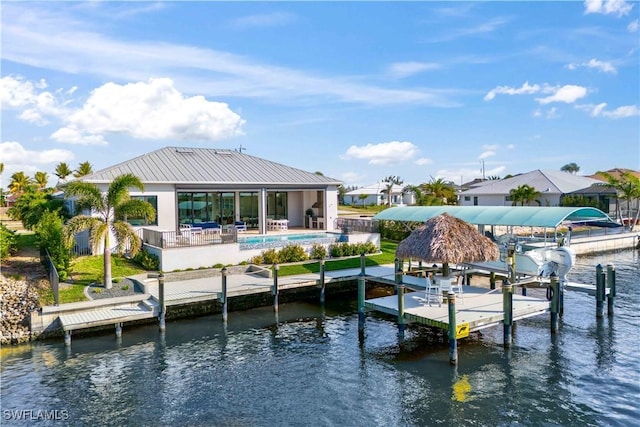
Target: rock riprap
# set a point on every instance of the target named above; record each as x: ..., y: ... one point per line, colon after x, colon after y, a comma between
x: 18, y: 298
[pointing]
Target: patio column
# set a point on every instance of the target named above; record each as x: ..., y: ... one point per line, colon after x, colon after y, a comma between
x: 262, y: 211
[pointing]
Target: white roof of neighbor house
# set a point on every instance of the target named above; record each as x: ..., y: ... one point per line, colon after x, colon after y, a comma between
x: 181, y: 165
x: 376, y: 188
x: 546, y: 182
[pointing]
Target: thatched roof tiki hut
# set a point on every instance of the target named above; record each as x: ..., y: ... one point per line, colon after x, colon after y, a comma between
x: 446, y: 239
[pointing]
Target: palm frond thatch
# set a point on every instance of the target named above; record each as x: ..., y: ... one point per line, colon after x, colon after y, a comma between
x: 447, y: 239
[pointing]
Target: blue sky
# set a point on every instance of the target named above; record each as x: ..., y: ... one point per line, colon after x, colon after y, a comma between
x: 356, y: 90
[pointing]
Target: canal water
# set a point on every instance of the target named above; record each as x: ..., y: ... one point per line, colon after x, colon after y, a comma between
x: 308, y: 367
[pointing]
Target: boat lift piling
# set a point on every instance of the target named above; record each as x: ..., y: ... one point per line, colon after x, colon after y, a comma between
x: 452, y: 332
x: 507, y: 301
x: 361, y: 295
x: 322, y: 284
x: 274, y: 289
x: 401, y: 324
x: 611, y: 285
x: 223, y: 297
x: 600, y: 291
x: 555, y: 302
x: 161, y: 305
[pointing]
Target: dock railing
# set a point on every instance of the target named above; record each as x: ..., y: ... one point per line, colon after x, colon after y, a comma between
x: 185, y: 238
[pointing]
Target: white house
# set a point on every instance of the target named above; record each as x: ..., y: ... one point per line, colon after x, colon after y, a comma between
x: 212, y: 190
x: 550, y: 184
x: 376, y: 194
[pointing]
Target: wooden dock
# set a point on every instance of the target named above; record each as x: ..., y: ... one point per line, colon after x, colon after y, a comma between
x: 478, y: 309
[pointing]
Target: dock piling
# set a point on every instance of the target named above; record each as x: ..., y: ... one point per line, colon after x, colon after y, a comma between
x: 363, y: 263
x: 161, y: 306
x: 322, y: 285
x: 611, y: 284
x: 507, y: 301
x: 600, y: 291
x: 361, y: 293
x: 492, y: 280
x: 401, y: 324
x: 276, y: 267
x: 453, y: 342
x: 224, y: 294
x: 555, y: 302
x: 67, y: 338
x: 118, y: 330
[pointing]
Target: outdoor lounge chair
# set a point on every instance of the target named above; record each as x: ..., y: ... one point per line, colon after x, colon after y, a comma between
x: 241, y: 226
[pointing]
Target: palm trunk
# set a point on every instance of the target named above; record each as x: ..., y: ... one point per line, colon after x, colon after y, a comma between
x: 107, y: 263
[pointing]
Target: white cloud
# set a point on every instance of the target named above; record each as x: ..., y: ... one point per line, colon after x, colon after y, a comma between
x: 351, y: 178
x: 567, y: 94
x: 406, y: 69
x: 423, y: 161
x: 525, y: 89
x: 599, y: 110
x: 35, y: 103
x: 33, y: 38
x: 551, y: 113
x: 383, y: 153
x: 264, y: 20
x: 604, y: 66
x: 13, y: 153
x: 633, y: 26
x: 606, y: 7
x: 153, y: 110
x: 486, y: 154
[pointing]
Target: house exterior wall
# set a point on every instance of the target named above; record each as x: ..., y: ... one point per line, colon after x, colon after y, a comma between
x: 501, y: 200
x: 166, y: 194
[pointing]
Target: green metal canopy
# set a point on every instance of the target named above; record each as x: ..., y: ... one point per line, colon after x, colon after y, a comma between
x: 498, y: 215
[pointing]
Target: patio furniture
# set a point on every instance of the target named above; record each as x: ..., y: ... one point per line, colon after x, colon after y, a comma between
x: 277, y: 224
x: 241, y: 226
x: 432, y: 292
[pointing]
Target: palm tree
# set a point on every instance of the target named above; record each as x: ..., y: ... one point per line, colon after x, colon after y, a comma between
x: 363, y: 197
x: 115, y: 203
x: 63, y: 171
x: 389, y: 182
x: 19, y: 183
x: 41, y: 179
x: 524, y: 194
x: 627, y: 187
x: 571, y: 168
x: 84, y: 168
x: 440, y: 190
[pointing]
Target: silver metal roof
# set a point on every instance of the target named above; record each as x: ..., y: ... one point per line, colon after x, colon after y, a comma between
x: 181, y: 165
x: 546, y: 182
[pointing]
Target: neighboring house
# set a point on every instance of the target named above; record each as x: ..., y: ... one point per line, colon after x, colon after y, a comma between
x: 202, y: 185
x: 551, y: 185
x: 617, y: 207
x: 376, y: 195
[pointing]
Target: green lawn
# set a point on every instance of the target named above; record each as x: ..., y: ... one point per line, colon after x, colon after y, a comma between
x: 387, y: 256
x: 362, y: 210
x: 86, y: 270
x: 25, y: 240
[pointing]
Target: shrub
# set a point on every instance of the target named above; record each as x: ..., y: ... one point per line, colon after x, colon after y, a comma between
x: 146, y: 260
x: 218, y: 265
x: 257, y: 260
x: 125, y: 287
x: 270, y: 256
x: 97, y: 290
x: 318, y: 251
x: 116, y: 280
x: 8, y: 240
x: 292, y: 253
x: 50, y: 237
x: 351, y: 249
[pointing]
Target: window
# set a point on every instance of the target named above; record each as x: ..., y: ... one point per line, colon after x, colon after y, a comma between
x: 277, y: 205
x: 194, y: 208
x: 467, y: 198
x: 153, y: 201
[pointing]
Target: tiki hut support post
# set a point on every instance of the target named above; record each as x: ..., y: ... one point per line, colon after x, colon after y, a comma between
x: 507, y: 303
x: 401, y: 325
x: 453, y: 342
x: 492, y: 280
x: 611, y: 284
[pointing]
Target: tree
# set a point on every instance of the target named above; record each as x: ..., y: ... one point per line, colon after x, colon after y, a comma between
x: 441, y: 190
x: 627, y: 187
x: 363, y: 197
x: 84, y: 168
x: 571, y: 168
x: 31, y: 205
x: 19, y: 183
x: 389, y: 182
x: 63, y: 171
x: 524, y: 194
x: 41, y: 179
x: 115, y: 203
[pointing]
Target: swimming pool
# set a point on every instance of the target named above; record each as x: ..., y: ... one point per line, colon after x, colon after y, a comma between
x: 270, y: 241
